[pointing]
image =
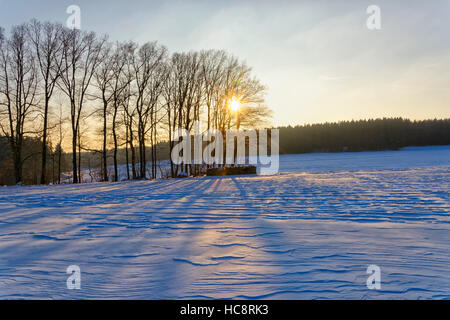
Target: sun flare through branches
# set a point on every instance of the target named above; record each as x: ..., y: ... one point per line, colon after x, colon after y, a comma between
x: 235, y: 104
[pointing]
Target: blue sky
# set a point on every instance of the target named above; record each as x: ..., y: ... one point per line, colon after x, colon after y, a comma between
x: 318, y: 59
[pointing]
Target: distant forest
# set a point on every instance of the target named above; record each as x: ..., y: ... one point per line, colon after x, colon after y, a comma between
x: 364, y: 135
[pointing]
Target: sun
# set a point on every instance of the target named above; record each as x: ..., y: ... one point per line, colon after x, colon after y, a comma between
x: 235, y: 104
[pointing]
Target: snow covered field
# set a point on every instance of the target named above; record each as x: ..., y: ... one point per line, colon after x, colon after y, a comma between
x: 309, y: 232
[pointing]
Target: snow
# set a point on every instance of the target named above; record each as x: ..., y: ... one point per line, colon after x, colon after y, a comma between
x: 309, y: 232
x: 95, y: 175
x: 416, y: 157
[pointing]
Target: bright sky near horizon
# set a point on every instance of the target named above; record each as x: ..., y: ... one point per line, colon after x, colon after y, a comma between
x: 318, y: 59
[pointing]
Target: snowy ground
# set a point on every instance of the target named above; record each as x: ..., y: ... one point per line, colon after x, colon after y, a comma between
x: 297, y: 235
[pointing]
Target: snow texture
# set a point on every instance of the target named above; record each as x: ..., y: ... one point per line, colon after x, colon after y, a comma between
x: 309, y: 232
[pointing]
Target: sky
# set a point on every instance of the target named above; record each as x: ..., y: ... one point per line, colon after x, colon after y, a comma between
x: 319, y: 60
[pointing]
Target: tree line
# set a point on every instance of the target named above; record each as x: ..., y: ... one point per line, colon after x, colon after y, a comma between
x: 126, y: 95
x: 364, y: 135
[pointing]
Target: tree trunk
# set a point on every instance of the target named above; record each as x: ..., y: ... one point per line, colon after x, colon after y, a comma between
x: 126, y: 152
x: 116, y: 171
x: 44, y: 145
x: 142, y: 151
x: 105, y: 164
x: 53, y: 168
x: 80, y: 178
x: 59, y: 163
x: 74, y: 158
x: 17, y: 165
x: 133, y: 153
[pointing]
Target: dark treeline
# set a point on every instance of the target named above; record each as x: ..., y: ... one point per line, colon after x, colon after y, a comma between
x: 364, y: 135
x: 57, y: 162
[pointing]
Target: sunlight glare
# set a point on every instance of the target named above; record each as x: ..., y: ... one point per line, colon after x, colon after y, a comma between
x: 235, y: 104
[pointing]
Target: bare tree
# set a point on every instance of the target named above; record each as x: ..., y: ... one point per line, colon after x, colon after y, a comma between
x: 18, y: 90
x: 58, y: 149
x: 212, y: 72
x: 104, y: 77
x: 183, y: 94
x: 81, y: 56
x: 147, y: 66
x: 47, y: 45
x: 122, y: 78
x: 129, y: 115
x: 170, y: 93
